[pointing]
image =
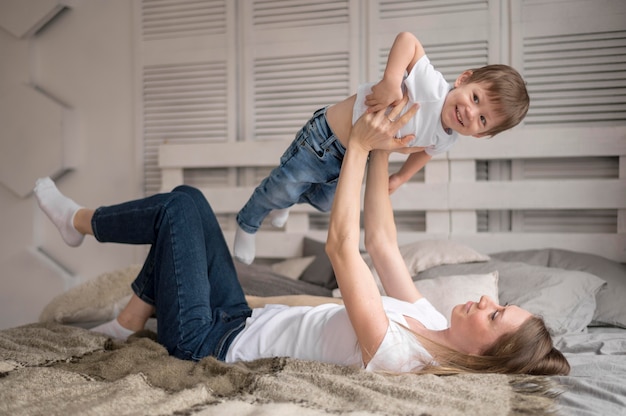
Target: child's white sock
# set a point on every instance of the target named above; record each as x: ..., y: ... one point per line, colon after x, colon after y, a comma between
x: 245, y: 247
x: 114, y: 330
x: 60, y: 209
x: 279, y: 217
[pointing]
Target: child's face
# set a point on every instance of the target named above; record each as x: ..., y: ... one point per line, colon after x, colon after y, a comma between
x: 467, y: 109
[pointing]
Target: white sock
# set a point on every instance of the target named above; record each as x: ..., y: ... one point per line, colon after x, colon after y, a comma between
x: 245, y: 246
x: 279, y: 217
x: 114, y: 330
x: 60, y: 209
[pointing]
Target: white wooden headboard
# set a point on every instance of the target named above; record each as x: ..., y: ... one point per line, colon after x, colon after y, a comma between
x: 452, y: 198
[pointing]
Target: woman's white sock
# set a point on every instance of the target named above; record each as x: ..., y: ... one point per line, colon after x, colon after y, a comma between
x: 244, y: 248
x: 60, y: 209
x: 114, y: 330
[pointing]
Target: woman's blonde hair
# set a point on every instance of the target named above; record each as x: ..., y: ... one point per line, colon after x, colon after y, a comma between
x: 528, y: 350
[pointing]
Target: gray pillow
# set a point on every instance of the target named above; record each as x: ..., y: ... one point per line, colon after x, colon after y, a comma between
x: 540, y: 257
x: 320, y: 272
x: 260, y: 280
x: 611, y: 302
x: 564, y: 298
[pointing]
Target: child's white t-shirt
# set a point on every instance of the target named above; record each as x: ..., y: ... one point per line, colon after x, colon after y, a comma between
x: 427, y: 87
x: 324, y: 333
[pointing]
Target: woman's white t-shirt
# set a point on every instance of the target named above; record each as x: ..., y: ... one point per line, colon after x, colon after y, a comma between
x: 427, y: 87
x: 324, y: 333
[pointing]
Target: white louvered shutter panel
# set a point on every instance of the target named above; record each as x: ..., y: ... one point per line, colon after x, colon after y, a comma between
x: 573, y: 55
x: 454, y: 33
x: 187, y: 74
x: 296, y: 58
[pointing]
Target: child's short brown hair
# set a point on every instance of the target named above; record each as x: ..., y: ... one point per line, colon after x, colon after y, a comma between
x: 507, y: 91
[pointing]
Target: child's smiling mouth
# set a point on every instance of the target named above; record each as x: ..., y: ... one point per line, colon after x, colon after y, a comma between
x: 458, y: 116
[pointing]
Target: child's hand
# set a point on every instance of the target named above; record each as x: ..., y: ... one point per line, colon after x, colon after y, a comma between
x: 394, y: 182
x: 384, y: 94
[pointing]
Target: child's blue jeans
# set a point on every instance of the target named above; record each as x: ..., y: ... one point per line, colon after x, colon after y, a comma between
x: 188, y: 276
x: 307, y: 173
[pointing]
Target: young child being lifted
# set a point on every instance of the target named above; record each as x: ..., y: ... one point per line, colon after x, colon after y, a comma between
x: 482, y: 102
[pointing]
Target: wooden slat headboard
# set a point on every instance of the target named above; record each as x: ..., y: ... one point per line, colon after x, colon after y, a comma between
x: 450, y: 195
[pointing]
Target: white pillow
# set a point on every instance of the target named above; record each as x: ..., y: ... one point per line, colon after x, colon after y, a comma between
x: 448, y: 291
x: 292, y: 268
x: 422, y: 255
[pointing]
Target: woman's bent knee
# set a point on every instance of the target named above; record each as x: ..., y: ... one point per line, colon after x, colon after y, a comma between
x: 196, y: 195
x: 187, y: 189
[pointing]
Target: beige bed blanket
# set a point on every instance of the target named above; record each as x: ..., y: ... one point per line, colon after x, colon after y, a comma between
x: 52, y: 369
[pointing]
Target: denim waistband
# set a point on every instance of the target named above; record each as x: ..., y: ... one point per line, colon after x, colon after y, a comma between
x: 238, y: 324
x: 319, y: 119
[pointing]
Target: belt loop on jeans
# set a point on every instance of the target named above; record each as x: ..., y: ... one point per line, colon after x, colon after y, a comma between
x: 319, y: 112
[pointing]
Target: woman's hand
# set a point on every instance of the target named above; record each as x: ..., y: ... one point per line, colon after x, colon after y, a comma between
x: 377, y: 130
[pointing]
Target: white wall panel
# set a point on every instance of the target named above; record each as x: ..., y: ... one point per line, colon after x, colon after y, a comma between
x: 83, y: 58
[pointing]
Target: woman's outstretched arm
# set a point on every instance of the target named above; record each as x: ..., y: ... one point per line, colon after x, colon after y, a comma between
x: 380, y: 232
x: 359, y: 291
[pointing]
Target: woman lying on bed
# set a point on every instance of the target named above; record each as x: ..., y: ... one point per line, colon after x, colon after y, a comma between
x: 189, y: 280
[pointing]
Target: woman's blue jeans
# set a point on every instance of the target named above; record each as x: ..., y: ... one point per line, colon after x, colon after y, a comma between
x: 308, y: 173
x: 188, y: 276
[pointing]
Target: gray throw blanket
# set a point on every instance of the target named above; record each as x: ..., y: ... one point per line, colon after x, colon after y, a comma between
x: 51, y: 369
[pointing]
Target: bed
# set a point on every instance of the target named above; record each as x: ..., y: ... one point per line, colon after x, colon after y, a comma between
x: 58, y: 366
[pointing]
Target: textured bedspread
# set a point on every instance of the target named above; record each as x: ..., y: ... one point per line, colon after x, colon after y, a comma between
x: 50, y: 369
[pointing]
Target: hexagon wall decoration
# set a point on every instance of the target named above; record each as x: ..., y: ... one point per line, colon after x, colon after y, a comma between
x: 35, y: 128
